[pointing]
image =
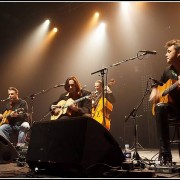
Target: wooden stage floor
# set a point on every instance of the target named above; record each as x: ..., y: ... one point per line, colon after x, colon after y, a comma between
x: 148, y: 168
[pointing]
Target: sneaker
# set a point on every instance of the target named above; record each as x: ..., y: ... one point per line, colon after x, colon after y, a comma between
x: 20, y: 144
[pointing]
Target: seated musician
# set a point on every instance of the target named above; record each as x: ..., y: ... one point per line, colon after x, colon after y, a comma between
x: 14, y: 117
x: 167, y: 107
x: 72, y: 103
x: 97, y: 103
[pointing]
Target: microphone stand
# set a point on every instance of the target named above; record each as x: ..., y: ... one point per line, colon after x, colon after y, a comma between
x: 133, y: 115
x: 32, y: 97
x: 102, y: 71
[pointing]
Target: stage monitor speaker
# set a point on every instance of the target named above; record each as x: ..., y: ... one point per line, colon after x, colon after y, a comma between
x: 7, y: 151
x: 71, y: 146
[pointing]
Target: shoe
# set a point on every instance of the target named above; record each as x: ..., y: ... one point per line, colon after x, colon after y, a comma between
x: 20, y: 144
x: 167, y: 158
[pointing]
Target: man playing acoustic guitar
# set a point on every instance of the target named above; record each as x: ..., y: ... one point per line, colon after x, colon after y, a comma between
x: 14, y: 117
x: 72, y: 103
x: 167, y: 103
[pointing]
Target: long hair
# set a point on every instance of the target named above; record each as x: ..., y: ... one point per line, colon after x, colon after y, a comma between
x: 76, y: 83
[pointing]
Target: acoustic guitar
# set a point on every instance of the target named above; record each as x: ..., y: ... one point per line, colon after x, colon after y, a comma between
x: 64, y: 105
x: 162, y: 95
x: 7, y: 113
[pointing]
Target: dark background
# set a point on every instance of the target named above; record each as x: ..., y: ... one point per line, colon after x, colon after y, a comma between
x: 150, y: 26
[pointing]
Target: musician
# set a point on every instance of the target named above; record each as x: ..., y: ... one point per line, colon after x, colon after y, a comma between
x: 74, y: 99
x: 108, y: 92
x: 165, y: 111
x: 14, y: 117
x: 97, y: 103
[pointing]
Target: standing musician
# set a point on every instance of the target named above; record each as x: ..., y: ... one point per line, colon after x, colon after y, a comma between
x: 167, y: 106
x: 14, y: 117
x: 97, y: 103
x: 72, y: 103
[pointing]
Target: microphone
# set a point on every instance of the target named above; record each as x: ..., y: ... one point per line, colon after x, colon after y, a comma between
x: 3, y: 100
x: 58, y: 85
x: 131, y: 114
x: 157, y: 82
x: 148, y: 52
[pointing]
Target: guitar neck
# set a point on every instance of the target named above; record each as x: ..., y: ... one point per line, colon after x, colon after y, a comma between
x: 76, y: 101
x: 80, y: 99
x: 170, y: 88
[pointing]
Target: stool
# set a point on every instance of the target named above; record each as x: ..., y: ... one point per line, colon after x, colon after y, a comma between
x: 176, y: 134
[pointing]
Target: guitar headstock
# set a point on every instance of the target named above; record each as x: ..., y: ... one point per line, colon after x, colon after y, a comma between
x: 111, y: 83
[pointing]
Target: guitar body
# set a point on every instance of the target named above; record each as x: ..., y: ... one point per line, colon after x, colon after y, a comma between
x: 5, y: 115
x: 63, y: 107
x: 162, y: 99
x: 97, y: 112
x: 61, y: 104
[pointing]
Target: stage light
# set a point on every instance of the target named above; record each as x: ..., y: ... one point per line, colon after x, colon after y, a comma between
x: 96, y: 15
x: 55, y: 29
x: 47, y: 22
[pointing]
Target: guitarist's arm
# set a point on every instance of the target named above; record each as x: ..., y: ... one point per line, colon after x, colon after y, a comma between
x: 85, y: 105
x: 153, y: 96
x: 54, y: 109
x: 110, y: 97
x: 21, y: 116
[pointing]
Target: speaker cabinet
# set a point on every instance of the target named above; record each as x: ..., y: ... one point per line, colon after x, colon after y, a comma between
x: 7, y: 151
x: 72, y: 145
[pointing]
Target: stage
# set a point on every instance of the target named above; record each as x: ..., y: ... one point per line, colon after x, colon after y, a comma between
x: 148, y: 167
